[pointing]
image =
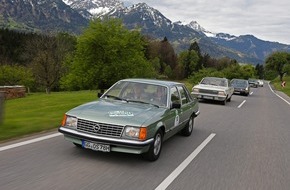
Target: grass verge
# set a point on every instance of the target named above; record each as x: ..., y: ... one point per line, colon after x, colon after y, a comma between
x: 277, y: 85
x: 39, y: 112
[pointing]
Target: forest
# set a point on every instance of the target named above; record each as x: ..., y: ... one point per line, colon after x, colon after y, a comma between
x: 104, y: 53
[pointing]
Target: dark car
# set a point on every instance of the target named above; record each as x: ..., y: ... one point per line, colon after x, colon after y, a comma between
x: 241, y: 86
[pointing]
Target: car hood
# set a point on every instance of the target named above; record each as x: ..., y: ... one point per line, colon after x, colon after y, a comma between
x: 210, y: 87
x: 117, y: 112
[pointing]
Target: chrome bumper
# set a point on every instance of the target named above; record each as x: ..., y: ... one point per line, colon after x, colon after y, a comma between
x: 210, y: 96
x: 113, y: 141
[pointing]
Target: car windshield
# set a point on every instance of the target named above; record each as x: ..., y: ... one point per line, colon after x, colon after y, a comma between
x: 253, y: 80
x: 214, y: 81
x: 138, y: 92
x: 239, y: 83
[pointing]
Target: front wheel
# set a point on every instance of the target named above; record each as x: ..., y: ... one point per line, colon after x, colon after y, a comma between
x: 224, y: 102
x: 155, y: 148
x: 187, y: 130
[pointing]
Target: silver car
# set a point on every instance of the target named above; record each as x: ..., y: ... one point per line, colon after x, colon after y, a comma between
x: 214, y: 88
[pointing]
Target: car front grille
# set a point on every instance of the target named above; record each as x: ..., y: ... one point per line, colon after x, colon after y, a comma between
x: 99, y: 128
x: 208, y: 91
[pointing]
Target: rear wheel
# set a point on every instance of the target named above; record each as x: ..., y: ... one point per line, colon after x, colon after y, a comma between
x: 186, y: 131
x: 155, y: 148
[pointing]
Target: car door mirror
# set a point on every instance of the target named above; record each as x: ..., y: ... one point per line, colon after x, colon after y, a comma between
x: 99, y: 94
x: 175, y: 105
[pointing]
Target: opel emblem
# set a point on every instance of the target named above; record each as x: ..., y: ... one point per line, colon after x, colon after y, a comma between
x: 97, y: 128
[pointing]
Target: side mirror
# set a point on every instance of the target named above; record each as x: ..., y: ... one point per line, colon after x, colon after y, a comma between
x: 99, y: 94
x: 175, y: 105
x: 102, y: 91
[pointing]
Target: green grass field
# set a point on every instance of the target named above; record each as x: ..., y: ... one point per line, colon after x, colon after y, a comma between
x: 277, y: 85
x: 39, y: 112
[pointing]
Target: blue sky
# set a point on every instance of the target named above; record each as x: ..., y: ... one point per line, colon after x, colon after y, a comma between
x: 265, y: 19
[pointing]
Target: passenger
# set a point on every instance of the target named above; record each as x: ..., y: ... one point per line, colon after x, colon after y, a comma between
x: 138, y: 92
x: 161, y: 96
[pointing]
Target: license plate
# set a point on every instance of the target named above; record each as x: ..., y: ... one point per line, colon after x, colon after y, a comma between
x: 208, y: 97
x: 96, y: 146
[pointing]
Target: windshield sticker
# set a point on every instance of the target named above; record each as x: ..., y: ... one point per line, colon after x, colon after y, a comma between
x: 120, y: 114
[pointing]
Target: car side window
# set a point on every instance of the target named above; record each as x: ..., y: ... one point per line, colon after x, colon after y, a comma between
x: 183, y: 94
x: 174, y: 95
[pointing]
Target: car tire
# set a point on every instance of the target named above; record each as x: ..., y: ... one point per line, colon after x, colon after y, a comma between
x: 187, y: 130
x: 224, y: 102
x: 155, y: 147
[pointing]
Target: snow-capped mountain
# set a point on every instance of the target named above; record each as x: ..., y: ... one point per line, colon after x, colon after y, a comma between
x: 74, y: 15
x: 45, y: 15
x: 153, y: 23
x: 95, y: 7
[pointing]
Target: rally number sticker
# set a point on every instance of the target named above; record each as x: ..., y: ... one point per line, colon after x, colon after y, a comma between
x: 176, y: 121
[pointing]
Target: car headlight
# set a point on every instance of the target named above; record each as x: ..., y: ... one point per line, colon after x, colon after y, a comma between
x: 222, y: 93
x: 69, y: 121
x: 136, y: 132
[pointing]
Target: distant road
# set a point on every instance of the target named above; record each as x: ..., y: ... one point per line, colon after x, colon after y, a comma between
x: 250, y: 149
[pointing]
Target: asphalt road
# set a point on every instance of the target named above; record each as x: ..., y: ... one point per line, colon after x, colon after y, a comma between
x: 249, y: 148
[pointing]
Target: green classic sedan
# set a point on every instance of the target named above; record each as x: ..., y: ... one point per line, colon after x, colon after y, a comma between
x: 133, y: 116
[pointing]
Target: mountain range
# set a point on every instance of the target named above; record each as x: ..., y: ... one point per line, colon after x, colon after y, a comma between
x: 74, y: 15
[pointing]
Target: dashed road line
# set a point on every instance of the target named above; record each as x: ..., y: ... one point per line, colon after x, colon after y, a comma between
x: 29, y: 141
x: 242, y: 104
x: 167, y: 181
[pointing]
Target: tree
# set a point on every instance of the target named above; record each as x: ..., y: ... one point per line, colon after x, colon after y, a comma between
x: 15, y: 75
x: 195, y: 47
x: 278, y: 62
x: 260, y: 71
x: 189, y: 61
x: 107, y: 52
x: 195, y: 78
x: 47, y: 54
x: 167, y: 55
x: 239, y: 71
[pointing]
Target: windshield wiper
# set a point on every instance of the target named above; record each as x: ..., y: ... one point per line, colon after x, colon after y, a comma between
x: 115, y: 97
x: 142, y: 102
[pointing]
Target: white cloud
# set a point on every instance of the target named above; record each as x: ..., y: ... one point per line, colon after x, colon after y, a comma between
x: 265, y: 19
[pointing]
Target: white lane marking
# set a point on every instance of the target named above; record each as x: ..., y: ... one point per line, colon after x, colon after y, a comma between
x: 251, y: 93
x: 167, y: 181
x: 278, y: 94
x: 29, y: 141
x: 242, y: 104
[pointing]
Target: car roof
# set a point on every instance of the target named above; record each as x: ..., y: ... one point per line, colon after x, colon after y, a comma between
x: 240, y: 79
x: 153, y: 81
x: 215, y: 78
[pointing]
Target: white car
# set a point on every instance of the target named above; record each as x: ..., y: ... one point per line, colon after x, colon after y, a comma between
x: 214, y: 88
x: 260, y: 83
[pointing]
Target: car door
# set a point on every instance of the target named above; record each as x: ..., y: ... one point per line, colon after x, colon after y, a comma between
x: 172, y: 120
x: 186, y: 109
